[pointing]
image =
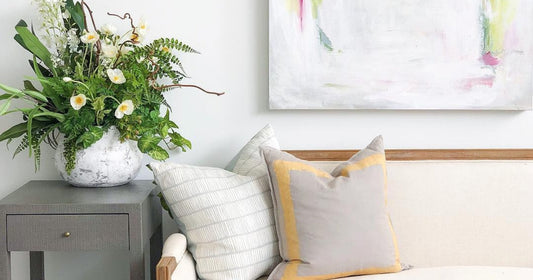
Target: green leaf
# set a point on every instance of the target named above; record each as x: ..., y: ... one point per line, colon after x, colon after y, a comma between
x: 158, y: 153
x: 76, y: 12
x: 43, y: 71
x: 172, y: 124
x: 5, y: 107
x: 14, y: 132
x: 57, y: 116
x: 29, y: 86
x: 164, y: 131
x: 148, y: 142
x: 32, y: 43
x: 7, y: 96
x: 19, y: 40
x: 37, y: 95
x: 154, y: 115
x: 164, y: 205
x: 44, y: 82
x: 90, y: 137
x: 98, y: 103
x: 12, y: 90
x: 180, y: 141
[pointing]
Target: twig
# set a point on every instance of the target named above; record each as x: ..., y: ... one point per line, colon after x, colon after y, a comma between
x: 193, y: 86
x: 151, y: 78
x: 90, y: 13
x: 133, y: 32
x: 98, y: 43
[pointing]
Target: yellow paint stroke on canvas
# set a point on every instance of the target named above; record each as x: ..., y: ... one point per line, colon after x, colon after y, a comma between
x: 497, y: 17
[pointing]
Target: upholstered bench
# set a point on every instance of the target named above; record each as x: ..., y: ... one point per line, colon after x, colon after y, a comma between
x: 457, y: 215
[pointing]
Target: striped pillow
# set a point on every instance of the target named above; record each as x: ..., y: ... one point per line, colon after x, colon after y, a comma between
x: 227, y: 217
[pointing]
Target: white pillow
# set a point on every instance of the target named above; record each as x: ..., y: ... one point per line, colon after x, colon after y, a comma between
x: 227, y: 217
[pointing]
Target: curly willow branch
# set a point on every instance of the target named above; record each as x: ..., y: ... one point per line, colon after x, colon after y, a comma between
x: 133, y: 32
x: 151, y: 78
x: 98, y: 43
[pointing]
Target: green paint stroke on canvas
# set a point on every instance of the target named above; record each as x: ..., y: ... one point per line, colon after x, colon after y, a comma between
x: 497, y: 17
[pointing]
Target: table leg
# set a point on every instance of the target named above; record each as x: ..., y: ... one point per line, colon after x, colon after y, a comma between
x: 137, y: 265
x: 156, y: 246
x: 5, y: 265
x: 36, y: 265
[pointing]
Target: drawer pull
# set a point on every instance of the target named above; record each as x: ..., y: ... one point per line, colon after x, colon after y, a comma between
x: 66, y: 234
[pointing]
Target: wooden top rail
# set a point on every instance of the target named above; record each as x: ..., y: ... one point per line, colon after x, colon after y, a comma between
x: 415, y: 155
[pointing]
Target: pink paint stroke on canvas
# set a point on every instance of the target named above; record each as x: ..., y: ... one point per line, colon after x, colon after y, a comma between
x: 490, y: 60
x: 301, y: 14
x: 488, y: 81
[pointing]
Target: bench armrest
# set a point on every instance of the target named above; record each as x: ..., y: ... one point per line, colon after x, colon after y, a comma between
x: 176, y: 262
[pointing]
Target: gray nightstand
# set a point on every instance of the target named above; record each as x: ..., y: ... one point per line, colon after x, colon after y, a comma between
x: 54, y: 216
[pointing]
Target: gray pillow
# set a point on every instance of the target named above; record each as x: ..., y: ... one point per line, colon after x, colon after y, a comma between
x: 332, y: 225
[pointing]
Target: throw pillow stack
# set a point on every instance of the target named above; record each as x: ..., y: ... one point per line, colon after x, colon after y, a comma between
x: 329, y: 225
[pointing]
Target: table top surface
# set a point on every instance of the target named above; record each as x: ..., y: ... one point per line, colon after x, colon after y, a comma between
x: 61, y: 192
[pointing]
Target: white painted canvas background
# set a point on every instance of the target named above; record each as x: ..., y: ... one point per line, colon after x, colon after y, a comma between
x: 395, y: 54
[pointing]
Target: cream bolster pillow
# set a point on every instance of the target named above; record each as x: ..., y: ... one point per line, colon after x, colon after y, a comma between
x: 176, y: 246
x: 332, y: 225
x: 226, y: 216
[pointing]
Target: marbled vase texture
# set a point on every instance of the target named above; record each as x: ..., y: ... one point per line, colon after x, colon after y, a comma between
x: 106, y: 163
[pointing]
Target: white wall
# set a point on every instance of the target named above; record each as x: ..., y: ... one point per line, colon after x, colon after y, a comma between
x: 233, y: 38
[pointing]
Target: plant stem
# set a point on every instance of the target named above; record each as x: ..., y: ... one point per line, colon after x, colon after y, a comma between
x: 90, y: 61
x: 84, y: 55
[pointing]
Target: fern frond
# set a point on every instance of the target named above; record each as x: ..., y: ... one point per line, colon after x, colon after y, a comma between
x: 172, y: 43
x: 23, y: 145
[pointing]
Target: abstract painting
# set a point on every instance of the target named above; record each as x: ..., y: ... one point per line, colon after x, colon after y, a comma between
x: 401, y: 54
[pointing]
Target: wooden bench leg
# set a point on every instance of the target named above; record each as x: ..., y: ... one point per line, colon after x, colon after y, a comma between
x: 165, y: 268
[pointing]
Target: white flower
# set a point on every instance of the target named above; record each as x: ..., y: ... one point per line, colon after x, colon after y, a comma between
x: 142, y: 29
x: 109, y: 51
x: 78, y: 101
x: 52, y: 26
x: 124, y: 50
x: 136, y: 37
x: 108, y: 29
x: 140, y: 59
x: 90, y: 37
x: 116, y: 76
x: 67, y: 79
x: 73, y: 40
x: 125, y: 108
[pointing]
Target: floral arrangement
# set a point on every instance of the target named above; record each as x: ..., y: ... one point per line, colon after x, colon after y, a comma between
x: 90, y: 79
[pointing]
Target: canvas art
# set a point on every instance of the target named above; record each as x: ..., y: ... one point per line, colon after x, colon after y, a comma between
x: 401, y: 54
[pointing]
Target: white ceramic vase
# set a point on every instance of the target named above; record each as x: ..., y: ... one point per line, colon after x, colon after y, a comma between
x: 106, y: 163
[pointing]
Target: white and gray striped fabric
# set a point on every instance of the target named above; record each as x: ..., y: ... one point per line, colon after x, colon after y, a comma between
x: 226, y: 216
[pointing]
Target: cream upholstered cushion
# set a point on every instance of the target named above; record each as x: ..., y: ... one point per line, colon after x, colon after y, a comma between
x: 455, y: 273
x: 332, y: 225
x: 176, y: 246
x: 452, y: 273
x: 227, y: 217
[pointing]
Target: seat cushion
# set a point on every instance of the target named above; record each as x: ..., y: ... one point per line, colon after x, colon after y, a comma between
x: 454, y: 273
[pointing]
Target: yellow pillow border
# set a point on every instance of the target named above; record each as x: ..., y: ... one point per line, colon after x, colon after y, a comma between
x: 282, y: 169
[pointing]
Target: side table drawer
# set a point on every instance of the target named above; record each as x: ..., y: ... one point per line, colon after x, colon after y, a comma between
x: 67, y: 232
